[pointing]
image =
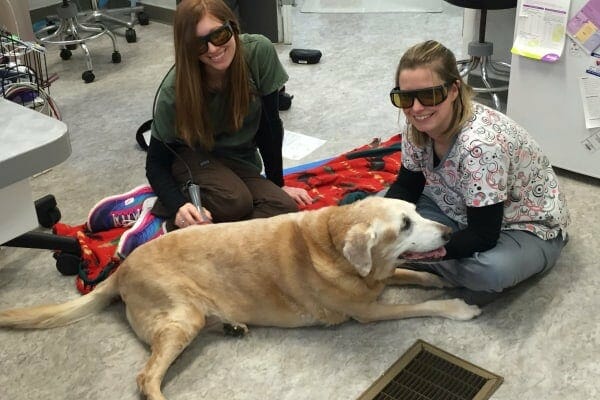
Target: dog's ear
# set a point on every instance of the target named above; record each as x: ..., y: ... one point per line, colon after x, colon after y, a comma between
x: 357, y: 247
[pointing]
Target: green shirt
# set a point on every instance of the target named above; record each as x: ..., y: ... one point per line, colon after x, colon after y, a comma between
x: 266, y: 76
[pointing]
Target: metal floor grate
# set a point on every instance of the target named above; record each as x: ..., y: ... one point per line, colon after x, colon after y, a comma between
x: 425, y: 372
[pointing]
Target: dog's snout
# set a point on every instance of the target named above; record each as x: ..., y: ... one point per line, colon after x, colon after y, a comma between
x: 446, y: 233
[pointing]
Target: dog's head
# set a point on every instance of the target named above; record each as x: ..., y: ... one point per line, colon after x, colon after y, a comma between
x: 376, y: 234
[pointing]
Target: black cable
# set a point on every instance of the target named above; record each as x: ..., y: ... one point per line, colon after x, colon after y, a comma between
x: 190, y: 181
x: 193, y: 188
x: 375, y: 152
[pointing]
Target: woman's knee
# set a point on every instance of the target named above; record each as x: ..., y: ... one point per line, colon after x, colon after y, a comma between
x: 490, y: 278
x: 285, y: 205
x: 495, y: 274
x: 229, y: 206
x: 276, y: 205
x: 518, y: 256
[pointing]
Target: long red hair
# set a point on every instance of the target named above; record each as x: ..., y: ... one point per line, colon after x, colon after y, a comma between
x: 191, y: 86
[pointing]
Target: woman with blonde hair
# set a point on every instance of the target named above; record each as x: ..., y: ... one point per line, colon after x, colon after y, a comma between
x: 477, y: 171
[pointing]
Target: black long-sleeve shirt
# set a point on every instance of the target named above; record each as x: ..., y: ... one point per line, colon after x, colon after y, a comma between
x: 269, y: 140
x: 483, y: 223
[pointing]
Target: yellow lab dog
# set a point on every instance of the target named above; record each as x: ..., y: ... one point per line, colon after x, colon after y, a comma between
x: 306, y: 268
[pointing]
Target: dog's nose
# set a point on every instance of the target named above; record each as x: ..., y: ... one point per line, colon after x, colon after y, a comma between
x: 446, y: 233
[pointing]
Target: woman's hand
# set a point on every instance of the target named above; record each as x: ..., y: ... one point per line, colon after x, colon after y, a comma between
x: 188, y: 215
x: 300, y: 196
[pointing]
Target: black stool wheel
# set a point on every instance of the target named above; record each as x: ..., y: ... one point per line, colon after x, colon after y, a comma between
x: 65, y: 54
x: 67, y: 263
x: 143, y: 18
x: 71, y: 46
x: 51, y: 24
x: 88, y: 76
x: 47, y: 212
x: 130, y: 35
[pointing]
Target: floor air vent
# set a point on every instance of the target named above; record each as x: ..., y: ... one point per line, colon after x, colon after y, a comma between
x: 425, y: 372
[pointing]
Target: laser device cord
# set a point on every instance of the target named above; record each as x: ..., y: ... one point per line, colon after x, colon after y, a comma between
x: 193, y: 188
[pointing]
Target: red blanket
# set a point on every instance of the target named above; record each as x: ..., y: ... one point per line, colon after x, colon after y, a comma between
x: 98, y: 258
x: 344, y: 179
x: 340, y: 180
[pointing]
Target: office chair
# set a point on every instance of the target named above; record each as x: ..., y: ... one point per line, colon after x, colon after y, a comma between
x: 67, y: 251
x: 102, y: 15
x: 70, y: 32
x: 480, y: 52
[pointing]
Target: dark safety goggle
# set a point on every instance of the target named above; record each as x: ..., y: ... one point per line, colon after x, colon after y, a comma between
x: 218, y: 37
x: 431, y: 96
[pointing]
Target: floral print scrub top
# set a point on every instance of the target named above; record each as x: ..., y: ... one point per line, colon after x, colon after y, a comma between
x: 493, y: 160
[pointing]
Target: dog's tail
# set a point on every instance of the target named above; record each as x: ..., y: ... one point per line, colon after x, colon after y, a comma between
x: 50, y: 316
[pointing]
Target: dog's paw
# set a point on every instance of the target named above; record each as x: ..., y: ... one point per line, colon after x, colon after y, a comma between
x: 435, y: 281
x: 235, y: 330
x: 458, y: 310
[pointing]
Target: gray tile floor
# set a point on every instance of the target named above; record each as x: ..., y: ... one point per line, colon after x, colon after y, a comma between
x: 543, y: 338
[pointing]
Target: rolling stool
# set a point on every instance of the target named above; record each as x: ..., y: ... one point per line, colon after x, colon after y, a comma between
x: 70, y: 32
x: 480, y: 52
x: 67, y: 251
x: 100, y: 15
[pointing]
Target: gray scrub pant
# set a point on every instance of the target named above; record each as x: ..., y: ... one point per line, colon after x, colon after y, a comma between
x: 517, y: 256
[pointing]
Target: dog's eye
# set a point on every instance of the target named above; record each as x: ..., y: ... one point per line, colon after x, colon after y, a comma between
x: 406, y: 223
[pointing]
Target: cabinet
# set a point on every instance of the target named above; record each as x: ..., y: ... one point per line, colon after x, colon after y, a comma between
x: 545, y: 99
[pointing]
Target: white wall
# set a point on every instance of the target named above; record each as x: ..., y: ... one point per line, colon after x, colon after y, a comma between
x: 14, y: 16
x: 35, y: 4
x: 169, y: 4
x: 500, y: 25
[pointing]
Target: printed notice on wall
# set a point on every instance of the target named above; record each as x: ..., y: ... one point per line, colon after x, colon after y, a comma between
x: 590, y: 94
x: 540, y: 30
x: 592, y: 142
x: 584, y: 27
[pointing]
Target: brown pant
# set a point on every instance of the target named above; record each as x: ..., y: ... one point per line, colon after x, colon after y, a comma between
x: 230, y: 190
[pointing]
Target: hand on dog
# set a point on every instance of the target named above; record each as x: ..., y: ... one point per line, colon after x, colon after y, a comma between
x: 300, y: 196
x: 188, y: 215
